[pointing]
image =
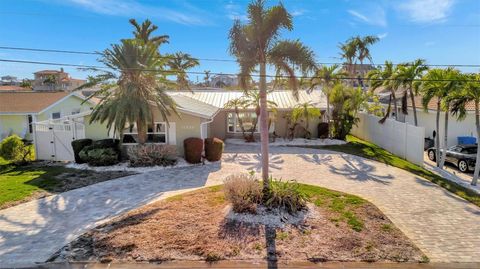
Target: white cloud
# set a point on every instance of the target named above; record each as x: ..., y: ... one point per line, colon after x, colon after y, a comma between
x: 382, y: 36
x: 376, y: 16
x: 429, y: 11
x: 130, y: 8
x: 298, y: 12
x: 234, y: 12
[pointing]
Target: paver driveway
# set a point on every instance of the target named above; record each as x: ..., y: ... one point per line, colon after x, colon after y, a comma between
x: 444, y: 226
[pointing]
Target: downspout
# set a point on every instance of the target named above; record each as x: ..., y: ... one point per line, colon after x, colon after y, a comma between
x: 210, y: 120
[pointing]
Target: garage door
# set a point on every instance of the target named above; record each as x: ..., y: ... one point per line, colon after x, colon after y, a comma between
x: 53, y: 140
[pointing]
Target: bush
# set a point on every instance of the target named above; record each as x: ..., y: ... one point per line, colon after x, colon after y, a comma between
x: 14, y: 149
x: 213, y: 149
x: 99, y: 156
x: 193, y: 148
x: 286, y: 195
x: 78, y: 145
x: 107, y: 143
x: 152, y: 154
x: 244, y: 192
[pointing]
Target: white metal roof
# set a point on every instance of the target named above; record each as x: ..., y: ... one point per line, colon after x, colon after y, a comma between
x: 195, y: 107
x: 283, y: 98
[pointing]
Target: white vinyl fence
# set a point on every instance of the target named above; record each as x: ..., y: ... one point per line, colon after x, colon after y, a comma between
x: 401, y: 139
x: 53, y: 139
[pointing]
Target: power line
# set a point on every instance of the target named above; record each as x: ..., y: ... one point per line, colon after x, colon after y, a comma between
x: 172, y: 72
x: 203, y: 59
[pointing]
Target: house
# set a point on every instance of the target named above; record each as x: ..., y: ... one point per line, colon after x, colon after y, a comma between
x: 55, y: 80
x: 9, y: 80
x: 202, y: 114
x: 360, y: 72
x: 220, y: 81
x: 19, y: 110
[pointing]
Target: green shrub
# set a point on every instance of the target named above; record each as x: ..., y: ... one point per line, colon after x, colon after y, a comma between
x: 213, y: 149
x: 152, y: 154
x: 16, y: 150
x: 244, y: 192
x: 107, y: 143
x: 78, y: 145
x: 99, y: 156
x: 193, y: 148
x: 285, y: 195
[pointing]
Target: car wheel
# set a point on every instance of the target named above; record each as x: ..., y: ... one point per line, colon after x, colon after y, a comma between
x: 463, y: 166
x: 431, y: 155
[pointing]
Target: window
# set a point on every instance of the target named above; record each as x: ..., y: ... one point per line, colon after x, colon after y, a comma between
x: 75, y: 111
x: 248, y: 120
x: 30, y: 123
x: 156, y: 133
x: 56, y: 115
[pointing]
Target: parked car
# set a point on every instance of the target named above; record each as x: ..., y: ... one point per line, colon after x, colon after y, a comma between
x: 463, y: 156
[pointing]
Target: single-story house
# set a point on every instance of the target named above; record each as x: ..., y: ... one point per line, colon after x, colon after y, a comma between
x: 19, y: 110
x: 202, y: 114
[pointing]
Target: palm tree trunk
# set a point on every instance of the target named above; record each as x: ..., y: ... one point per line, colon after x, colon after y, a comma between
x: 264, y: 126
x: 142, y: 132
x: 414, y: 106
x: 477, y: 163
x: 395, y: 105
x: 445, y: 141
x: 437, y: 137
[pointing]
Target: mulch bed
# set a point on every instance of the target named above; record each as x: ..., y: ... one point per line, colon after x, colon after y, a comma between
x: 193, y: 227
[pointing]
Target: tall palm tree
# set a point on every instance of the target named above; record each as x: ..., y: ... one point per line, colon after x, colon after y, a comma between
x: 470, y: 93
x: 327, y: 77
x: 305, y: 111
x: 382, y: 77
x: 363, y: 47
x: 349, y: 54
x: 179, y: 63
x: 440, y: 84
x: 143, y: 32
x: 256, y: 44
x: 206, y: 78
x: 407, y: 75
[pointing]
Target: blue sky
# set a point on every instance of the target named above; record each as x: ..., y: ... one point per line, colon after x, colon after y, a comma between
x: 440, y: 31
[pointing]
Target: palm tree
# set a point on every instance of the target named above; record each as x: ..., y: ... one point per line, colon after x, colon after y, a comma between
x: 363, y: 44
x: 206, y: 78
x: 305, y: 111
x: 50, y: 80
x: 143, y: 32
x: 440, y: 84
x: 236, y: 104
x: 253, y: 99
x: 179, y: 63
x: 407, y: 75
x: 470, y: 93
x: 382, y: 77
x: 349, y: 54
x: 327, y: 77
x: 256, y: 44
x: 346, y: 102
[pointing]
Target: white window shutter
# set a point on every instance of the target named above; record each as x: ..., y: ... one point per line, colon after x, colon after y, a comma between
x: 172, y: 134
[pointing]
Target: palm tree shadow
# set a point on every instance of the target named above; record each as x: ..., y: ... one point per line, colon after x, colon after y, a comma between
x: 254, y: 162
x: 357, y: 169
x: 315, y: 158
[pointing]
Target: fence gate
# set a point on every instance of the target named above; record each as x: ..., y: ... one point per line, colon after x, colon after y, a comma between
x: 53, y: 139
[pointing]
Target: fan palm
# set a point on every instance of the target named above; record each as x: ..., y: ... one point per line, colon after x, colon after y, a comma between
x: 407, y: 75
x: 327, y: 77
x: 179, y: 63
x: 144, y: 30
x: 256, y: 44
x: 382, y: 77
x: 305, y: 111
x: 440, y: 84
x: 469, y: 93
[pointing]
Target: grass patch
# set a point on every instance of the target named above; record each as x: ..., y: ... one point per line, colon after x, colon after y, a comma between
x: 356, y: 146
x: 282, y: 235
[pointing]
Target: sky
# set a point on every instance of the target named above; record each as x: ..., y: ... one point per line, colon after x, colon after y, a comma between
x: 440, y: 31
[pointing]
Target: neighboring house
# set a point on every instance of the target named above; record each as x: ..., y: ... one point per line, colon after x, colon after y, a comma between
x: 360, y: 72
x: 9, y: 80
x: 55, y: 80
x: 201, y: 114
x: 220, y: 81
x: 19, y: 110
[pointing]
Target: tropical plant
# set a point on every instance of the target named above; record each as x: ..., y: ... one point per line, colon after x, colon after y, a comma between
x: 130, y: 92
x: 206, y: 78
x: 363, y: 47
x: 408, y: 75
x: 143, y: 32
x: 382, y: 77
x: 256, y: 44
x: 17, y: 150
x: 346, y: 102
x: 349, y: 54
x: 441, y: 84
x: 357, y: 48
x: 305, y: 111
x: 26, y: 84
x: 179, y: 63
x: 50, y: 80
x: 469, y: 93
x: 327, y: 77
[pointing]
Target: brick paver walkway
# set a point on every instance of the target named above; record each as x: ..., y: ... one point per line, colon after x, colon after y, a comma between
x: 444, y: 226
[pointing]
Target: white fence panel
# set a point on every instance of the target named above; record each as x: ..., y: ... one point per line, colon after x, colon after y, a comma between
x: 53, y: 140
x: 401, y: 139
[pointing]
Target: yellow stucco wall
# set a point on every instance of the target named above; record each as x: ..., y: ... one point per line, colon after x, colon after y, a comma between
x: 66, y: 107
x: 95, y: 130
x: 13, y: 124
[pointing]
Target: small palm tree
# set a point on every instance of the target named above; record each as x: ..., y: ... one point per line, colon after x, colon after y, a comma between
x: 256, y: 44
x: 381, y: 77
x: 408, y: 76
x: 206, y: 78
x: 305, y: 111
x: 179, y: 63
x: 51, y: 81
x: 237, y: 104
x: 440, y: 84
x: 327, y: 77
x: 252, y: 99
x: 469, y: 93
x: 143, y: 32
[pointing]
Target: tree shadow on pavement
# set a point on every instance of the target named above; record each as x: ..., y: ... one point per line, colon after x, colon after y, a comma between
x: 357, y: 169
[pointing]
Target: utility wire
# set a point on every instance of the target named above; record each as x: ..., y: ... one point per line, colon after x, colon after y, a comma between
x: 203, y: 59
x: 172, y: 72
